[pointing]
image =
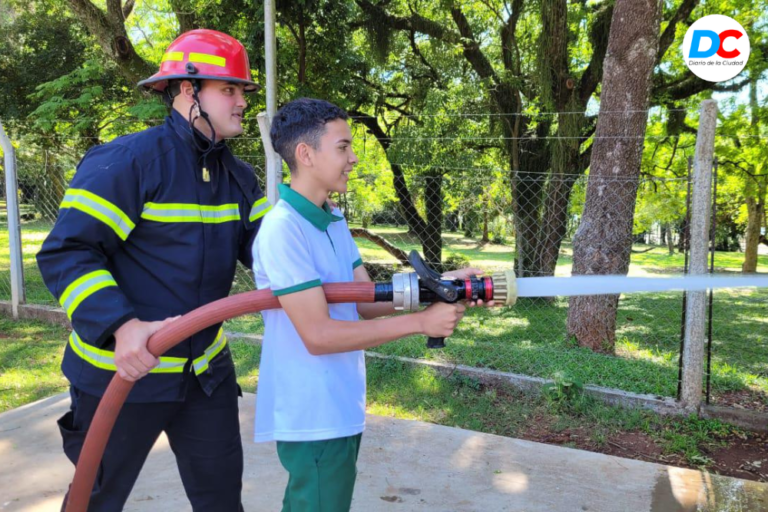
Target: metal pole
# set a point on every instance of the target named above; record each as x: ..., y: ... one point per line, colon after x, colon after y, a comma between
x: 274, y: 168
x: 695, y: 325
x: 684, y: 237
x: 14, y: 224
x: 273, y: 159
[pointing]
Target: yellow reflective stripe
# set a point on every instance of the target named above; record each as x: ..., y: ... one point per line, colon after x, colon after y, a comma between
x: 176, y: 56
x: 186, y: 212
x: 105, y: 359
x: 99, y: 208
x: 84, y: 287
x: 206, y: 58
x: 77, y: 282
x: 260, y: 209
x: 103, y: 362
x: 201, y: 363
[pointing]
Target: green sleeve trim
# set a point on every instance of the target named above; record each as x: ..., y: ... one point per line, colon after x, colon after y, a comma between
x: 297, y: 288
x: 357, y: 263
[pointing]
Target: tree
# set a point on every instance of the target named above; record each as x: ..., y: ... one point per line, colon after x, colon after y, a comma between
x: 755, y: 192
x: 603, y: 242
x: 755, y: 205
x: 109, y: 29
x: 513, y: 62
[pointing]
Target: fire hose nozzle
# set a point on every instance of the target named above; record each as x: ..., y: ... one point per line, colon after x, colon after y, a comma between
x: 505, y: 287
x: 408, y: 290
x: 405, y: 291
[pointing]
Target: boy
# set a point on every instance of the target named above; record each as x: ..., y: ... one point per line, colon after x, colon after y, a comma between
x: 311, y: 393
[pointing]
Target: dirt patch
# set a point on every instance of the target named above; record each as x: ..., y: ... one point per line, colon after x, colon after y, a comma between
x: 740, y: 458
x: 745, y: 458
x: 748, y: 399
x: 740, y: 455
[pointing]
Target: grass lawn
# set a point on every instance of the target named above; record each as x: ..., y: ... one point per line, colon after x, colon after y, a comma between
x: 30, y: 354
x: 531, y: 338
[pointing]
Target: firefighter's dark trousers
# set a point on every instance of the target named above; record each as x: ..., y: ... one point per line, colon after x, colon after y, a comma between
x: 204, y: 434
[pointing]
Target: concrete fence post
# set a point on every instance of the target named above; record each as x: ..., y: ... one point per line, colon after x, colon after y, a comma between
x: 695, y: 316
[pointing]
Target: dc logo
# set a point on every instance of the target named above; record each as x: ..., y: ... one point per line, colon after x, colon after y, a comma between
x: 716, y: 48
x: 717, y: 41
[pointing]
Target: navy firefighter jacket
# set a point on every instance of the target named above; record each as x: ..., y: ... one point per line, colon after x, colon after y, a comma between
x: 149, y: 230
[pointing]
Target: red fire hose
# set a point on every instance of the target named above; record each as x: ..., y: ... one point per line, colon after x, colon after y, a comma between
x: 159, y: 343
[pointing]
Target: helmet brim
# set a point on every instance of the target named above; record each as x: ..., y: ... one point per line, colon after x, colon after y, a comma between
x: 159, y: 83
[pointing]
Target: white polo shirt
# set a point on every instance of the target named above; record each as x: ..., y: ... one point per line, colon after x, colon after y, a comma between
x: 302, y: 397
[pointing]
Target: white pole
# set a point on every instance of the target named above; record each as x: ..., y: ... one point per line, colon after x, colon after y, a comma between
x: 14, y: 224
x: 274, y: 166
x: 695, y: 313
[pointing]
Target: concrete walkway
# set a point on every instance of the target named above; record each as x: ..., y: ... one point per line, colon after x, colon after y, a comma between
x: 404, y: 466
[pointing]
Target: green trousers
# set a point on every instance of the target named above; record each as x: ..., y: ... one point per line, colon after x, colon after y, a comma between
x: 321, y: 474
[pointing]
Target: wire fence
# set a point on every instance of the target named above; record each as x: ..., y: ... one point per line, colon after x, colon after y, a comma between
x: 491, y: 217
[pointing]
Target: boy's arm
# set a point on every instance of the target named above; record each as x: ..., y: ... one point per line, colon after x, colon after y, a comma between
x: 308, y: 311
x: 285, y: 258
x: 369, y: 310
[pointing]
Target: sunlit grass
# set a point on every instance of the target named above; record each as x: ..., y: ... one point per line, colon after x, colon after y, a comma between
x: 531, y: 338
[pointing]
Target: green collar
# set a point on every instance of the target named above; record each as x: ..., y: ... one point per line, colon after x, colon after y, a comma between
x: 321, y: 218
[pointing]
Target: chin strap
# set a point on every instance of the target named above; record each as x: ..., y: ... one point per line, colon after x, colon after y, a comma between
x: 204, y: 149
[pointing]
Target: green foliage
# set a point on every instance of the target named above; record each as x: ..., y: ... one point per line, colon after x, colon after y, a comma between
x: 455, y: 261
x: 38, y: 42
x: 693, y: 436
x: 566, y: 393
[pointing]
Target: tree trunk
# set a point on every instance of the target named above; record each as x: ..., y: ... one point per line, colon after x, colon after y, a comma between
x: 567, y: 167
x: 560, y: 92
x: 48, y: 198
x: 184, y: 15
x: 755, y: 214
x: 108, y: 28
x: 670, y: 239
x: 755, y: 195
x: 555, y: 221
x: 432, y: 240
x: 485, y: 238
x: 682, y: 241
x: 603, y: 241
x: 527, y: 186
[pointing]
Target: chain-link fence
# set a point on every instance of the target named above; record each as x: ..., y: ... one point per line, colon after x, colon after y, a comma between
x: 495, y: 219
x: 462, y: 217
x: 41, y: 190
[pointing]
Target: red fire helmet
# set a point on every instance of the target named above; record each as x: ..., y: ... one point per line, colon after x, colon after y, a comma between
x: 205, y: 55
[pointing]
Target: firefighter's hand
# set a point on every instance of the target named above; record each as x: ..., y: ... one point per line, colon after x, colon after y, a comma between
x: 440, y: 319
x: 132, y: 358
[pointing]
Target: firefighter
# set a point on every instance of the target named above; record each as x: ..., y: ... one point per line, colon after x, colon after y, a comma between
x: 152, y: 227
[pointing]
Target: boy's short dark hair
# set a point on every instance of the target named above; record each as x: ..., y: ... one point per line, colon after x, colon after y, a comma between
x: 301, y: 120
